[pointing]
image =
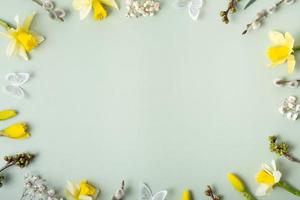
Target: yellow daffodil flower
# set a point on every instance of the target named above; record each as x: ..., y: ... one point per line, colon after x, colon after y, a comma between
x: 23, y: 40
x: 267, y: 178
x: 85, y: 6
x: 7, y: 114
x: 282, y: 50
x: 16, y: 131
x: 82, y: 191
x: 186, y: 195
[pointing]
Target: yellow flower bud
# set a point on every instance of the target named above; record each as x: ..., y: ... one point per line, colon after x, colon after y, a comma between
x: 236, y: 182
x: 16, y: 131
x: 186, y: 195
x: 7, y: 114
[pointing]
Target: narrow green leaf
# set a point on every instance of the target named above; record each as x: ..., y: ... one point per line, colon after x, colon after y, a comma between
x: 250, y: 2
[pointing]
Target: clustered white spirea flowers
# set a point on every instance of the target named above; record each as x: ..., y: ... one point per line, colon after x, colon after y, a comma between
x: 290, y: 108
x: 138, y: 8
x: 35, y: 188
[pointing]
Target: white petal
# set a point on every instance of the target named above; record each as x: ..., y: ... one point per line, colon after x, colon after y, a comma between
x: 179, y: 4
x: 17, y: 79
x: 12, y: 48
x: 145, y: 192
x: 263, y: 189
x: 84, y: 12
x: 267, y: 168
x: 17, y: 20
x: 14, y: 91
x: 277, y: 175
x: 273, y: 162
x: 22, y: 52
x: 6, y: 35
x: 194, y: 8
x: 71, y: 187
x: 84, y: 197
x: 160, y: 195
x: 40, y: 38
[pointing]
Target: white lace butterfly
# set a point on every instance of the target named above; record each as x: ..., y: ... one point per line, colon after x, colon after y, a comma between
x: 16, y: 81
x: 146, y: 194
x: 193, y: 6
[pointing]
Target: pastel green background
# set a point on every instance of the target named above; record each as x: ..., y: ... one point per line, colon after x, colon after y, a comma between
x: 164, y: 100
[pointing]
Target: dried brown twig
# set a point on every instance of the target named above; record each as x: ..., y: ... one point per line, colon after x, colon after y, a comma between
x: 231, y: 8
x: 210, y: 193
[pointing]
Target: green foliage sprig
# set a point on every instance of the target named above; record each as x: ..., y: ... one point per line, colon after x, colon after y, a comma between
x: 281, y: 149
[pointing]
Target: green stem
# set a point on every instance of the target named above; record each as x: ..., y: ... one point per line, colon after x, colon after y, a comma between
x: 248, y: 196
x: 288, y: 188
x: 5, y: 25
x: 7, y: 166
x: 296, y: 48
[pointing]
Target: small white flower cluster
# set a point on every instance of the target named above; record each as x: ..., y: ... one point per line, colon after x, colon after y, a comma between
x: 54, y: 13
x: 138, y: 8
x: 290, y: 108
x: 35, y: 188
x: 282, y: 82
x: 260, y: 16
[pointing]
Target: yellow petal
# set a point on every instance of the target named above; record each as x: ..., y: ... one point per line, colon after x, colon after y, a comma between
x: 186, y: 195
x: 278, y: 54
x: 289, y: 40
x: 99, y: 11
x: 7, y: 114
x: 276, y: 38
x: 264, y: 177
x: 291, y: 63
x: 111, y: 3
x: 27, y: 22
x: 16, y: 131
x: 236, y: 182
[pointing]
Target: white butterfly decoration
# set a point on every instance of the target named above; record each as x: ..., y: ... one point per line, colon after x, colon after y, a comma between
x: 146, y: 194
x: 16, y: 81
x: 193, y: 6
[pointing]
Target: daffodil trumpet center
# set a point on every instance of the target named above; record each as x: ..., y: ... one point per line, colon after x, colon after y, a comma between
x: 5, y: 25
x: 27, y: 40
x: 288, y: 188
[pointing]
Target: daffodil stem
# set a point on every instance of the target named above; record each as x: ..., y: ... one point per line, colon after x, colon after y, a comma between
x: 288, y: 188
x: 297, y: 48
x: 248, y: 196
x: 5, y: 25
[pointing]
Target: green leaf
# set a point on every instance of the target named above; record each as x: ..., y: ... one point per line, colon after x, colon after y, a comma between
x: 249, y: 3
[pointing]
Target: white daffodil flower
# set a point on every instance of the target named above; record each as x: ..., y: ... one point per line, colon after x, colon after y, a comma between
x: 267, y: 178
